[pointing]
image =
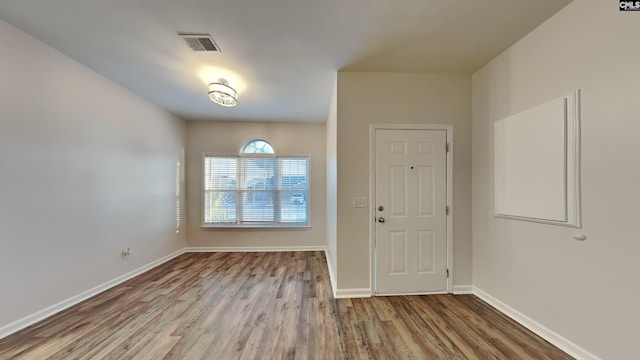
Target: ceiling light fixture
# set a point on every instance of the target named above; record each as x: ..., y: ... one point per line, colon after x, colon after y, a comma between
x: 221, y: 93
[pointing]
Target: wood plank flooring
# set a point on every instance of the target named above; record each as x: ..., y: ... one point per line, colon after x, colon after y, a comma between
x: 269, y: 306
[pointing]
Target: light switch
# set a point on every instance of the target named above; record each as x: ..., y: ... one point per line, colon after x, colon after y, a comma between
x: 360, y: 202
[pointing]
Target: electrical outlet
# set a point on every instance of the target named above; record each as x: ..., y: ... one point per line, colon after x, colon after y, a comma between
x: 126, y: 253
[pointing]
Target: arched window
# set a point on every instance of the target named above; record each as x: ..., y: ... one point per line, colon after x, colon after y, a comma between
x: 256, y: 188
x: 257, y: 146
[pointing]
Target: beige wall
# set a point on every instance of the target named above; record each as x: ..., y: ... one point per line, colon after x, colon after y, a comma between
x: 367, y: 98
x: 583, y: 291
x: 332, y: 184
x: 88, y: 169
x: 287, y: 139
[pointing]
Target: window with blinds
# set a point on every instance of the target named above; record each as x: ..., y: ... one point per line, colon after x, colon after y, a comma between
x: 256, y: 189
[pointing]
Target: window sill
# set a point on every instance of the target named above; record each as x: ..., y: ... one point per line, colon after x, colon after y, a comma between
x: 256, y: 226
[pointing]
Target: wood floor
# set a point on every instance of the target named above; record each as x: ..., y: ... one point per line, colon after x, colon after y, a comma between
x: 269, y: 306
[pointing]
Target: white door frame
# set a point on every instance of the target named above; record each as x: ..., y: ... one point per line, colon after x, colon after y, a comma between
x: 372, y: 194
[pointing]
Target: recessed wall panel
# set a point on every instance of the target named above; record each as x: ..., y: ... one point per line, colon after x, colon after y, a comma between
x: 537, y: 163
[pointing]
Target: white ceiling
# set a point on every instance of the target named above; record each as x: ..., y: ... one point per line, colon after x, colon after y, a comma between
x: 281, y: 55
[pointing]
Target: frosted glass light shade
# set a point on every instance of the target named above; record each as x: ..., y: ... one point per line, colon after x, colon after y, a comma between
x: 221, y: 93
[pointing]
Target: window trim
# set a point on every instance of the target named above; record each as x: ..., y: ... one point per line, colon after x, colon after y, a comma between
x: 254, y: 225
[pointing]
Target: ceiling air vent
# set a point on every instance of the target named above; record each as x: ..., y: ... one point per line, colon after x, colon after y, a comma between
x: 200, y: 42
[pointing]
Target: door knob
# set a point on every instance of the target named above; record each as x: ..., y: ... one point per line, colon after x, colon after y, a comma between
x: 381, y: 219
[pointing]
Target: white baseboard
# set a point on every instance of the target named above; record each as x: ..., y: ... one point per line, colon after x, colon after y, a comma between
x: 254, y: 249
x: 65, y: 304
x: 462, y: 289
x: 344, y: 293
x: 332, y: 276
x: 352, y: 293
x: 419, y: 293
x: 567, y: 346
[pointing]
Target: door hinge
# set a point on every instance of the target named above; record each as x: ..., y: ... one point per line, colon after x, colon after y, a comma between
x: 447, y: 147
x: 447, y: 272
x: 447, y: 209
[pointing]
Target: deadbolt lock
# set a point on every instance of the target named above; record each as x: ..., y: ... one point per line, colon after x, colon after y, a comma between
x: 380, y: 208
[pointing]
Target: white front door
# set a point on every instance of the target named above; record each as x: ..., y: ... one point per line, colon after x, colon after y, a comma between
x: 410, y: 208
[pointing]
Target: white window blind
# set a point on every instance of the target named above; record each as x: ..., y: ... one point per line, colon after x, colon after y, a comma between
x: 257, y: 190
x: 220, y: 189
x: 178, y: 196
x: 293, y: 188
x: 270, y: 191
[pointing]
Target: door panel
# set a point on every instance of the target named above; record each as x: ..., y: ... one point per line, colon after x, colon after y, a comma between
x: 398, y: 188
x: 398, y: 254
x: 411, y: 241
x: 426, y: 184
x: 426, y: 251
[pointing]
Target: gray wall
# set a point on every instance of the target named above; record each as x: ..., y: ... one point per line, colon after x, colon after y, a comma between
x: 88, y: 169
x: 582, y: 291
x: 364, y: 99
